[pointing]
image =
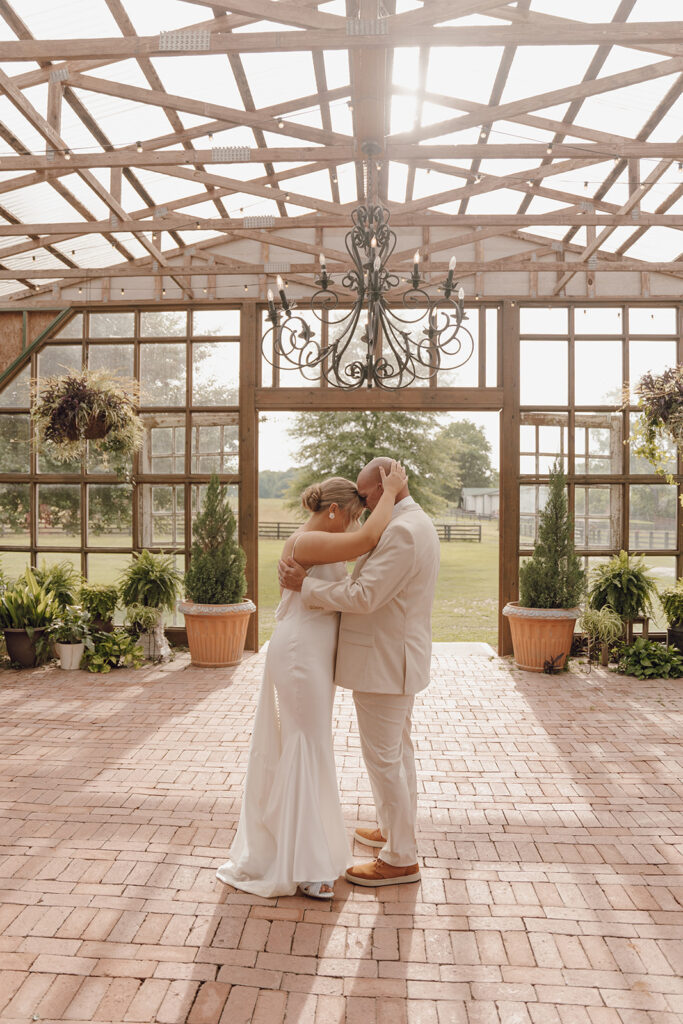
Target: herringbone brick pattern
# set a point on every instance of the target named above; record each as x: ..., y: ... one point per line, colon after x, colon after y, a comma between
x: 550, y: 829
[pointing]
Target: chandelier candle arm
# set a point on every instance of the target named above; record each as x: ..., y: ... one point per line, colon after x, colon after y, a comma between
x: 416, y: 269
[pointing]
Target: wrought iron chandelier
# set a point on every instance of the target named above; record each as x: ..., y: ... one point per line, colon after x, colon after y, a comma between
x: 383, y: 351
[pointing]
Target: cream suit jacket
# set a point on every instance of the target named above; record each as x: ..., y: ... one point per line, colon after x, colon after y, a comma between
x: 385, y: 633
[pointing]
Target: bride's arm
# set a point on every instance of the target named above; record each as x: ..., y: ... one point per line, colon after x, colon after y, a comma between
x: 317, y: 547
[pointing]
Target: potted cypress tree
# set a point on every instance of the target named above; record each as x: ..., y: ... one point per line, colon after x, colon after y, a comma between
x: 551, y: 584
x: 216, y: 610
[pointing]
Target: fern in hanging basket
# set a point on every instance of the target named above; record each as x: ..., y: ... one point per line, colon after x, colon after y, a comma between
x: 93, y: 406
x: 660, y: 404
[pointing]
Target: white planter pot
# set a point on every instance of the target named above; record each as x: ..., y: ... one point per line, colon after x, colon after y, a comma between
x: 70, y: 656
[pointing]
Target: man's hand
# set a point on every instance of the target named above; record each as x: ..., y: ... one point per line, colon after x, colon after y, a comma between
x: 290, y: 574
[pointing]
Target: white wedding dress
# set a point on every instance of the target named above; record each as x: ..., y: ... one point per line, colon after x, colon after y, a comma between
x: 291, y: 827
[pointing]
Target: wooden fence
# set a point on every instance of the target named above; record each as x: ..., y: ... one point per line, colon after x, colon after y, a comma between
x: 447, y: 531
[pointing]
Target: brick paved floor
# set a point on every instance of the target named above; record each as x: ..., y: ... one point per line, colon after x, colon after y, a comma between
x: 550, y: 828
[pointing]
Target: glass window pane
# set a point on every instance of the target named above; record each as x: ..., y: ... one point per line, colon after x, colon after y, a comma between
x: 598, y: 443
x: 162, y: 515
x: 59, y: 515
x: 650, y: 357
x: 532, y: 499
x: 541, y: 320
x: 598, y: 372
x: 55, y: 360
x: 640, y: 465
x: 543, y: 437
x: 597, y: 516
x: 164, y: 323
x: 654, y: 320
x: 14, y: 516
x: 14, y: 443
x: 215, y: 443
x: 216, y: 321
x: 652, y: 516
x: 50, y: 558
x: 106, y: 568
x: 543, y: 373
x: 115, y: 358
x: 215, y: 373
x: 598, y: 320
x: 110, y: 515
x: 72, y: 329
x: 14, y: 563
x: 162, y: 373
x: 491, y: 348
x: 163, y: 449
x: 15, y: 395
x: 112, y: 325
x: 198, y: 493
x: 467, y: 375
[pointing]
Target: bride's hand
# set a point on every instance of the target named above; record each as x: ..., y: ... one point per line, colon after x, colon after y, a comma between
x: 395, y: 480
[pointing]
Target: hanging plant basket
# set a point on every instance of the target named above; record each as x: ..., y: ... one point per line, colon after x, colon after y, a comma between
x: 87, y: 407
x: 660, y: 404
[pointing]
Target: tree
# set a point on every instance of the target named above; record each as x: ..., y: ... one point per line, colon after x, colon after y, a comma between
x: 467, y: 451
x: 341, y: 443
x: 273, y: 483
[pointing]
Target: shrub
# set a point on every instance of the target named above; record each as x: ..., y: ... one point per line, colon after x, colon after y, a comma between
x: 553, y: 577
x: 647, y: 659
x: 99, y: 600
x: 216, y: 571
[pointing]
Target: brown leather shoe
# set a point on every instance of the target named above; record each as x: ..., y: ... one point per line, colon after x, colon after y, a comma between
x: 370, y: 837
x: 376, y: 872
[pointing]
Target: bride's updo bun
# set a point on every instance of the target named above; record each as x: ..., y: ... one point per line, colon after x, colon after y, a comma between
x: 336, y: 490
x: 312, y: 497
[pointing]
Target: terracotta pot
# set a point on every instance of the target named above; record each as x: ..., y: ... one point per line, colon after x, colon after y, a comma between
x: 216, y: 632
x: 21, y: 648
x: 70, y: 656
x: 541, y: 635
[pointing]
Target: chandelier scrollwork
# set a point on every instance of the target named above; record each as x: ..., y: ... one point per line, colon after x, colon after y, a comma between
x: 372, y: 343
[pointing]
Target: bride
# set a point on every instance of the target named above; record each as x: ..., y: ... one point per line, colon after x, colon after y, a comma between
x: 291, y: 830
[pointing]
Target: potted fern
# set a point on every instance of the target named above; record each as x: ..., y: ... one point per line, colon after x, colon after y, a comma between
x: 100, y: 601
x: 215, y: 609
x: 624, y: 585
x: 85, y: 407
x: 153, y: 582
x: 672, y: 603
x: 551, y: 584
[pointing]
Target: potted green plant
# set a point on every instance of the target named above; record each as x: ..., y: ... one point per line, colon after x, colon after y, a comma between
x: 117, y: 649
x: 551, y: 584
x: 63, y: 579
x: 87, y: 406
x: 143, y: 623
x: 215, y: 609
x: 660, y: 403
x: 672, y: 603
x: 152, y: 580
x: 26, y: 610
x: 601, y: 626
x: 100, y: 601
x: 624, y: 585
x: 70, y: 633
x: 646, y: 659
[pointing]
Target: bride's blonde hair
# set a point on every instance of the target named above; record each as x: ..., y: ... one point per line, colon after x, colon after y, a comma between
x: 335, y: 490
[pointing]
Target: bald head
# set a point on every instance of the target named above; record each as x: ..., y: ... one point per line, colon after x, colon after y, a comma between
x: 369, y: 482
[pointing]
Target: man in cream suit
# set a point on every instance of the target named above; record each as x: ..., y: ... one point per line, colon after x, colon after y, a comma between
x: 384, y: 654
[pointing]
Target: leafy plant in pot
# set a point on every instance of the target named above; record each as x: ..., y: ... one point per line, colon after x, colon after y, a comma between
x: 87, y: 406
x: 26, y: 610
x: 100, y: 601
x: 71, y: 635
x: 551, y: 584
x: 601, y: 626
x: 672, y: 603
x: 117, y: 649
x: 63, y: 579
x: 216, y: 610
x: 151, y: 581
x: 624, y: 585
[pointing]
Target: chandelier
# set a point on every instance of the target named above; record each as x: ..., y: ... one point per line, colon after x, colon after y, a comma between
x: 372, y: 343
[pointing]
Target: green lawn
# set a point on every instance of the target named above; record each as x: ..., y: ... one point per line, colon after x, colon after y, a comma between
x: 466, y: 603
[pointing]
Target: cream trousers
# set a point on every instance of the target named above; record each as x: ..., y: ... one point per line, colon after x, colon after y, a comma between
x: 384, y: 723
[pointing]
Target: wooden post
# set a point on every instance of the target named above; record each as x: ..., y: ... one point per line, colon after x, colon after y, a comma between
x: 508, y: 560
x: 248, y: 434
